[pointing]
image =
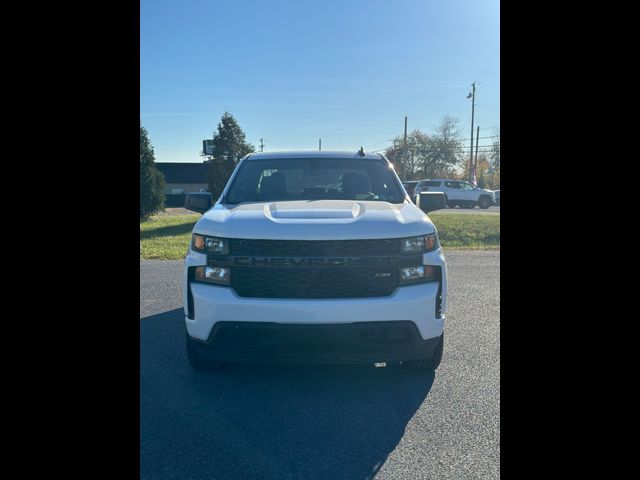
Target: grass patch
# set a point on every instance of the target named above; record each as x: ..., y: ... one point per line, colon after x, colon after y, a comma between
x: 467, y: 231
x: 166, y: 237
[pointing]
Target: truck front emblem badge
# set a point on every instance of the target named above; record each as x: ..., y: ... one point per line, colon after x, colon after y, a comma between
x: 383, y: 275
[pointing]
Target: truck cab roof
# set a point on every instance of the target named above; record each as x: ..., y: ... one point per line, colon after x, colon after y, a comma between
x: 315, y: 154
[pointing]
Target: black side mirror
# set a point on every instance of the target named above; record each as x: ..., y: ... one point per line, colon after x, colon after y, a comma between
x: 198, y: 202
x: 430, y: 201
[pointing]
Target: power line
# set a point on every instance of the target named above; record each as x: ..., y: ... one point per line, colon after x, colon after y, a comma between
x: 461, y: 140
x: 492, y: 136
x: 462, y: 147
x: 487, y: 85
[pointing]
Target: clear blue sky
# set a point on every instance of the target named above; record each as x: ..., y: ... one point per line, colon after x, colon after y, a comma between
x: 291, y: 72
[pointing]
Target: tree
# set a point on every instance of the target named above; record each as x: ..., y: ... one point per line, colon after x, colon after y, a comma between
x: 152, y: 181
x: 482, y: 172
x: 494, y: 162
x: 428, y: 155
x: 446, y: 152
x: 229, y: 146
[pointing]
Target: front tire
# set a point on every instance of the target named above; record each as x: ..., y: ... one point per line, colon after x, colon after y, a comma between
x: 484, y: 202
x: 431, y: 364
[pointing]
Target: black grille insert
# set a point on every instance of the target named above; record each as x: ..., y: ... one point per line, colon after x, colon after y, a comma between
x: 310, y: 282
x: 285, y: 268
x: 314, y: 248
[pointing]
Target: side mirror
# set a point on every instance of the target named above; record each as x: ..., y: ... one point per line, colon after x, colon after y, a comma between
x: 430, y: 201
x: 198, y: 202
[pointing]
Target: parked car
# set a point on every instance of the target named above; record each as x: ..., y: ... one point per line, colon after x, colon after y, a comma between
x: 497, y: 193
x: 410, y: 186
x: 314, y: 257
x: 457, y: 192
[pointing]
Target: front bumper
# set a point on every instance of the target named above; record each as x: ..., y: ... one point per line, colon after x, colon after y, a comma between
x: 416, y: 304
x: 365, y: 342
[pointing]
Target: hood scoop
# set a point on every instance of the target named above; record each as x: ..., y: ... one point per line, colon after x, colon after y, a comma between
x: 313, y: 212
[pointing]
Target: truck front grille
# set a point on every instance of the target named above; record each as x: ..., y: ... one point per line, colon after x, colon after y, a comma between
x: 310, y: 282
x: 314, y: 248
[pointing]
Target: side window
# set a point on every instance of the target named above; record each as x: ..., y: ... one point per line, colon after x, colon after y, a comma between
x: 432, y: 183
x: 452, y: 184
x: 467, y: 186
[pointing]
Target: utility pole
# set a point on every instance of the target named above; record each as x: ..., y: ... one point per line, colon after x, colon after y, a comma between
x: 475, y: 168
x: 319, y: 144
x: 403, y: 168
x: 261, y: 146
x: 472, y: 96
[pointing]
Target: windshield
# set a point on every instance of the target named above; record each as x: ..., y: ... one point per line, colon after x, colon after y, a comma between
x: 314, y: 179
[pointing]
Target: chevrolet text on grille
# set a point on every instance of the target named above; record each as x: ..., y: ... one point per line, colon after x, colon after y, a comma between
x: 313, y: 262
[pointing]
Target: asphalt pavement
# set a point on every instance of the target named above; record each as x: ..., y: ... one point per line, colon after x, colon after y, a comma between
x: 324, y: 422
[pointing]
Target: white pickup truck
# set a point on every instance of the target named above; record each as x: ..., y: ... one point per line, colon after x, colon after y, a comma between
x: 457, y: 192
x: 314, y: 257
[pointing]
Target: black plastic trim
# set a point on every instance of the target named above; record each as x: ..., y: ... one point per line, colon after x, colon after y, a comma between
x: 190, y: 278
x: 358, y: 342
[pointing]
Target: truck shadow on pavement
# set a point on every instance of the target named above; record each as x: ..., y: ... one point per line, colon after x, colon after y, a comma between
x: 266, y: 421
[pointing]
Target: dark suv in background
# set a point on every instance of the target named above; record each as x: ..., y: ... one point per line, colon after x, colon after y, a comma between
x: 410, y: 186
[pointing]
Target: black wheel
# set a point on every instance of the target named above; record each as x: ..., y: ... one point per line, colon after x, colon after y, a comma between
x: 484, y: 202
x: 431, y: 364
x: 192, y: 354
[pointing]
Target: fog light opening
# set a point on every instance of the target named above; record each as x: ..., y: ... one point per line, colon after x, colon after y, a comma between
x: 412, y: 273
x: 212, y: 274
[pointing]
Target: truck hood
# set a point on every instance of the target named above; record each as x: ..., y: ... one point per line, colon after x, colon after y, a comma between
x: 315, y: 220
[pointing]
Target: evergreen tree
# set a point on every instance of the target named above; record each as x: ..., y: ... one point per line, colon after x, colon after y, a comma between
x: 229, y: 146
x: 152, y: 182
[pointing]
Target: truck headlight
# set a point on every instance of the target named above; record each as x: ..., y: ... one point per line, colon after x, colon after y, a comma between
x: 218, y: 275
x: 419, y: 273
x: 203, y: 244
x: 422, y: 244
